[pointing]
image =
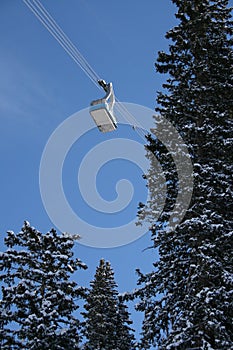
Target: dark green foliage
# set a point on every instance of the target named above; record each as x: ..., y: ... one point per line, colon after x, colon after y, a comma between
x: 106, y: 325
x: 38, y: 297
x: 125, y: 337
x: 188, y: 298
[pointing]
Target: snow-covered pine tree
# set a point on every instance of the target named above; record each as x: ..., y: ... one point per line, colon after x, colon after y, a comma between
x: 187, y: 299
x: 125, y: 336
x: 106, y: 325
x: 38, y: 297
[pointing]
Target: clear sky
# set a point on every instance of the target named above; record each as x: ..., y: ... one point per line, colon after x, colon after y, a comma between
x: 41, y: 86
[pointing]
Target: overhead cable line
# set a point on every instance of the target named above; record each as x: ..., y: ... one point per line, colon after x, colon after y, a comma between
x: 55, y: 30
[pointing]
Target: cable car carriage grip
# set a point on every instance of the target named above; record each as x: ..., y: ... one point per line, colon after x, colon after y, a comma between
x: 101, y: 110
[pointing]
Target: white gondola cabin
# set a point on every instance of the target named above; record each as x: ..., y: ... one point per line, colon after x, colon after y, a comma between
x: 102, y: 110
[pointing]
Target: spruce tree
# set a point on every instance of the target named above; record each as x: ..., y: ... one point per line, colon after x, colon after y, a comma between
x: 124, y: 332
x: 106, y: 325
x: 187, y: 299
x: 38, y: 297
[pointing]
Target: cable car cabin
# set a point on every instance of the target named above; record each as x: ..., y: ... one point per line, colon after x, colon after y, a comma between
x: 102, y: 110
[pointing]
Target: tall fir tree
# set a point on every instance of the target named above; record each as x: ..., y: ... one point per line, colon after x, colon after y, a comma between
x: 38, y: 297
x: 106, y: 325
x: 187, y: 299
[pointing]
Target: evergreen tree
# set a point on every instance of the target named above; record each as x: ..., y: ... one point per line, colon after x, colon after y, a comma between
x: 125, y: 337
x: 106, y: 325
x: 38, y: 297
x: 187, y: 299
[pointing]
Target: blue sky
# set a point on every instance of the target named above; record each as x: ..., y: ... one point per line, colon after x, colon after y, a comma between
x: 41, y: 86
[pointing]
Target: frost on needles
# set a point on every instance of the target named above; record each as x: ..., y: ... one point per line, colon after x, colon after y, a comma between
x: 187, y: 299
x: 38, y: 304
